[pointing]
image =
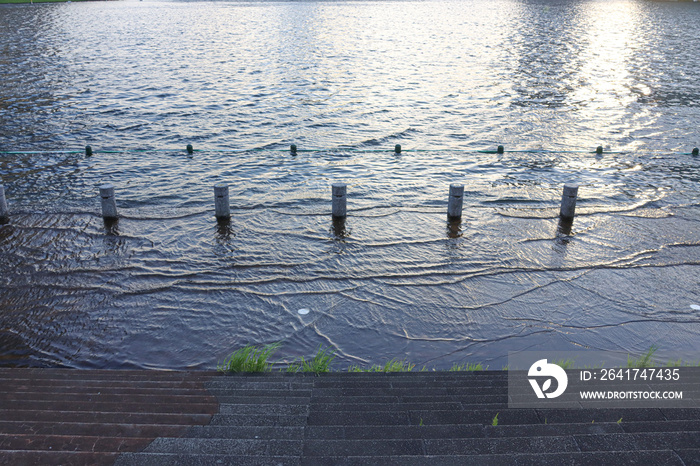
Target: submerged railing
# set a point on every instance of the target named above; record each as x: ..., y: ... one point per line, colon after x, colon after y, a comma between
x: 338, y: 190
x: 294, y: 150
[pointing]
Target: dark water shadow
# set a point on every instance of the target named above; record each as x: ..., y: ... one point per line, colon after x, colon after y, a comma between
x: 224, y: 231
x: 564, y: 236
x: 111, y: 226
x: 454, y: 227
x: 339, y: 229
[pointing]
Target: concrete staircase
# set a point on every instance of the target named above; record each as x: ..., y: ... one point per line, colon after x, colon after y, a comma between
x: 269, y: 419
x: 61, y: 416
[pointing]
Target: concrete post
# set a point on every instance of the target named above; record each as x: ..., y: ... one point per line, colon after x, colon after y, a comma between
x: 109, y: 204
x: 568, y: 201
x: 221, y: 203
x: 339, y: 191
x: 454, y: 204
x: 4, y: 211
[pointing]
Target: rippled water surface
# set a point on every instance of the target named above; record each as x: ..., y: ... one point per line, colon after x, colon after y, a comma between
x: 169, y: 287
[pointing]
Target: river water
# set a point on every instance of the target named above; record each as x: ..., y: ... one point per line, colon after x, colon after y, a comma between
x: 168, y: 287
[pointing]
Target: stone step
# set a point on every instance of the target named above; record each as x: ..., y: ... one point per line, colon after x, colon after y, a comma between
x: 662, y: 457
x: 416, y: 375
x: 101, y: 390
x: 24, y: 457
x: 35, y: 374
x: 631, y: 442
x: 166, y: 397
x: 689, y: 455
x: 264, y: 409
x: 252, y: 393
x: 680, y: 414
x: 95, y: 444
x: 660, y: 426
x: 370, y: 400
x: 87, y: 429
x: 447, y: 383
x: 108, y: 407
x: 257, y: 420
x: 394, y: 407
x: 462, y: 446
x: 379, y: 418
x: 567, y: 416
x: 31, y: 385
x: 229, y: 447
x: 175, y: 459
x: 103, y: 418
x: 244, y: 432
x: 258, y: 385
x: 427, y: 431
x: 408, y: 391
x: 243, y: 400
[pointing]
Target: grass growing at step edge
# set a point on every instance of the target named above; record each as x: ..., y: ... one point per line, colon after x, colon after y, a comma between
x: 468, y: 367
x: 643, y: 361
x: 395, y: 365
x: 320, y: 363
x: 249, y: 359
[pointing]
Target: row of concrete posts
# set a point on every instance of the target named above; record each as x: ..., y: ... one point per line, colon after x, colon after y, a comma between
x: 338, y: 195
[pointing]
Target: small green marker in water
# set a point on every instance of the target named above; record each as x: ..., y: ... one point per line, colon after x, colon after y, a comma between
x: 500, y: 149
x: 88, y: 151
x: 397, y: 148
x: 599, y: 150
x: 190, y: 149
x: 293, y: 149
x: 695, y: 152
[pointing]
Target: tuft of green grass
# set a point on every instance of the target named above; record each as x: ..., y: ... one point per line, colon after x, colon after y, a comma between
x: 468, y: 367
x: 318, y: 364
x: 249, y: 359
x: 565, y: 363
x: 643, y: 361
x: 395, y: 365
x: 421, y: 422
x: 619, y: 421
x: 494, y: 422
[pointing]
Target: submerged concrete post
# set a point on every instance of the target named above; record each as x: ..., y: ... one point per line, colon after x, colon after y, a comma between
x: 568, y: 202
x: 4, y: 211
x: 339, y: 192
x: 221, y: 203
x: 454, y: 204
x: 109, y: 204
